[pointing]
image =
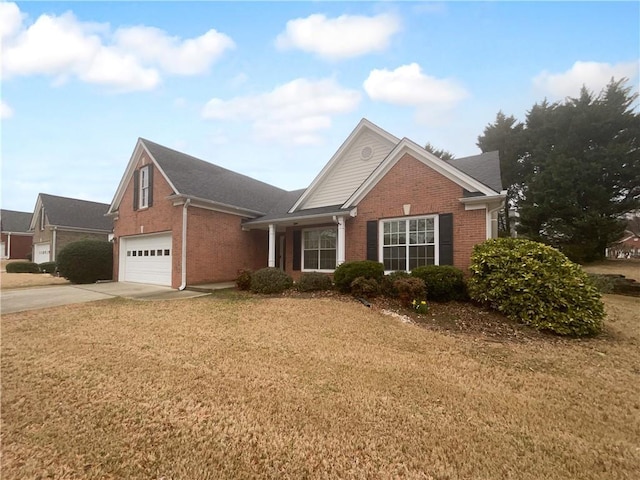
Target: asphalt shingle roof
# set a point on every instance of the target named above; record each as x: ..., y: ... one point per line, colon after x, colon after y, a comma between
x: 197, y: 178
x: 13, y: 221
x: 71, y: 212
x: 484, y: 167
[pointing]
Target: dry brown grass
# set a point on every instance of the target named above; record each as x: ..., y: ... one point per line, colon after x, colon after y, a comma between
x: 240, y: 387
x: 21, y: 280
x: 628, y: 268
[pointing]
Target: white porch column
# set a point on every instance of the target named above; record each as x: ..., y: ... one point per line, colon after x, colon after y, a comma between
x: 341, y: 241
x: 272, y: 245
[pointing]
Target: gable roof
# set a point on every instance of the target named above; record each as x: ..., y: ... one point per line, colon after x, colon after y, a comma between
x: 14, y: 221
x: 192, y: 177
x: 73, y: 213
x: 484, y: 168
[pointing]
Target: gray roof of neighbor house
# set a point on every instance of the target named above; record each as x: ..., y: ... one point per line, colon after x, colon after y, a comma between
x: 71, y: 212
x: 196, y: 178
x: 484, y: 167
x: 13, y: 221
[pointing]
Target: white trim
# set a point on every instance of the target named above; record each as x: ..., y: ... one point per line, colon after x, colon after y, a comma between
x: 420, y: 154
x: 213, y: 206
x: 272, y: 245
x: 302, y: 267
x: 183, y: 257
x: 139, y: 149
x: 436, y: 237
x: 341, y: 242
x: 34, y: 218
x: 362, y: 125
x: 143, y: 202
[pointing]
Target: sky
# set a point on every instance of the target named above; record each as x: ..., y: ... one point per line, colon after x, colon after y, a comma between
x: 272, y: 89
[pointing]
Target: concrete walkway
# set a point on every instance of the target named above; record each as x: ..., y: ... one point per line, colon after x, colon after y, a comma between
x: 21, y: 299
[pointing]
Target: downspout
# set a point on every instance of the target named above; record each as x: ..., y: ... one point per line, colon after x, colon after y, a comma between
x: 183, y: 285
x: 52, y: 256
x: 7, y: 247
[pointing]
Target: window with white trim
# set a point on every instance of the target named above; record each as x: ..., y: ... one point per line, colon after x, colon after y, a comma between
x: 144, y: 187
x: 319, y: 249
x: 408, y: 243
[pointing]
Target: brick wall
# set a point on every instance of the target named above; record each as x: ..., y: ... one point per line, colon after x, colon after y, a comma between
x: 18, y: 246
x: 217, y: 247
x: 428, y: 192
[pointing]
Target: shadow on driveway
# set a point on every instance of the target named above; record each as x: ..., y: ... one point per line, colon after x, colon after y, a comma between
x: 21, y: 299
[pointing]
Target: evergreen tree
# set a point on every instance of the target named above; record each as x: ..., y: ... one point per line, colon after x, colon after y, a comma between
x: 504, y: 135
x: 581, y: 170
x: 439, y: 152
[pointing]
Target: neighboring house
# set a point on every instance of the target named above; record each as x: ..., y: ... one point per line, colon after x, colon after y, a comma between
x: 58, y: 221
x: 16, y: 237
x: 627, y: 247
x: 182, y: 221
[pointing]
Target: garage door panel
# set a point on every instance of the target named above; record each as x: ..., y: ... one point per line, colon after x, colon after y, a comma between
x: 41, y: 252
x: 147, y: 259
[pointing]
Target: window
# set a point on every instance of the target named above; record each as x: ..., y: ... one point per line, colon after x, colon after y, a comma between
x: 319, y: 249
x: 42, y: 219
x: 408, y: 243
x: 144, y: 187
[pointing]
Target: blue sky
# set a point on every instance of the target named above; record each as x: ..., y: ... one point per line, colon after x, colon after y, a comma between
x: 271, y: 89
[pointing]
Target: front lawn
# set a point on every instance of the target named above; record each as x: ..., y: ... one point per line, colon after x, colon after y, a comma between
x: 245, y: 387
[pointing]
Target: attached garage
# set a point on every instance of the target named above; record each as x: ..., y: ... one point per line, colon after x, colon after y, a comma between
x: 146, y: 259
x: 42, y: 252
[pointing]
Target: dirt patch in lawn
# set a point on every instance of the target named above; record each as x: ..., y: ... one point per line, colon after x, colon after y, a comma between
x: 629, y: 268
x: 238, y: 386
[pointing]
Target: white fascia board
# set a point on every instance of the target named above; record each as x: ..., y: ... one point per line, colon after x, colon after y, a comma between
x: 362, y: 125
x: 408, y: 146
x: 36, y: 210
x: 490, y: 202
x: 128, y: 173
x: 215, y: 206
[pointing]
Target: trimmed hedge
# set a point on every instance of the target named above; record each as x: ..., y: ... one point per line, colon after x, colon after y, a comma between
x: 347, y: 272
x: 444, y: 282
x: 270, y: 280
x: 86, y: 261
x: 313, y: 282
x: 387, y: 284
x: 536, y: 285
x: 365, y: 287
x: 22, y: 267
x: 48, y: 267
x: 411, y: 289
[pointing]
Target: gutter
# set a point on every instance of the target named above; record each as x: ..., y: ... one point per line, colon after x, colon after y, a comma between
x: 183, y: 285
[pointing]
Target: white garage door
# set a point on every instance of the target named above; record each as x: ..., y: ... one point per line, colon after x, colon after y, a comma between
x: 41, y: 252
x: 146, y: 259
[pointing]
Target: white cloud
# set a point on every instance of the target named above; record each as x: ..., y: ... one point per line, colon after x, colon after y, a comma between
x: 293, y: 113
x: 409, y: 86
x: 131, y: 59
x: 181, y: 57
x: 595, y: 76
x: 339, y: 38
x: 5, y: 110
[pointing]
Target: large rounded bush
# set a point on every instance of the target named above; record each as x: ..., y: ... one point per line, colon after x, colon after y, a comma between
x: 444, y: 282
x: 536, y: 285
x: 347, y: 272
x: 86, y: 261
x: 270, y: 280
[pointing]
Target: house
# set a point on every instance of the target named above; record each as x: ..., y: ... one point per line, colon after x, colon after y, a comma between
x: 58, y: 221
x: 180, y: 221
x: 16, y: 237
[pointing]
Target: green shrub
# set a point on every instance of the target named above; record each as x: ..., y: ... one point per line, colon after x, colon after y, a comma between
x: 387, y: 283
x: 444, y: 282
x: 410, y: 290
x: 22, y: 267
x: 86, y: 261
x: 347, y: 272
x: 243, y: 282
x: 536, y: 285
x: 313, y: 282
x: 270, y: 280
x: 48, y: 267
x: 365, y: 287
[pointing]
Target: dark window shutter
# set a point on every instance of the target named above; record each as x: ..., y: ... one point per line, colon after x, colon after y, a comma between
x: 150, y: 199
x: 446, y: 238
x: 136, y: 188
x: 297, y: 249
x: 372, y: 240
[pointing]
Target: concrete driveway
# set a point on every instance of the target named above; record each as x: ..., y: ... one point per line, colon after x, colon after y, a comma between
x: 21, y: 299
